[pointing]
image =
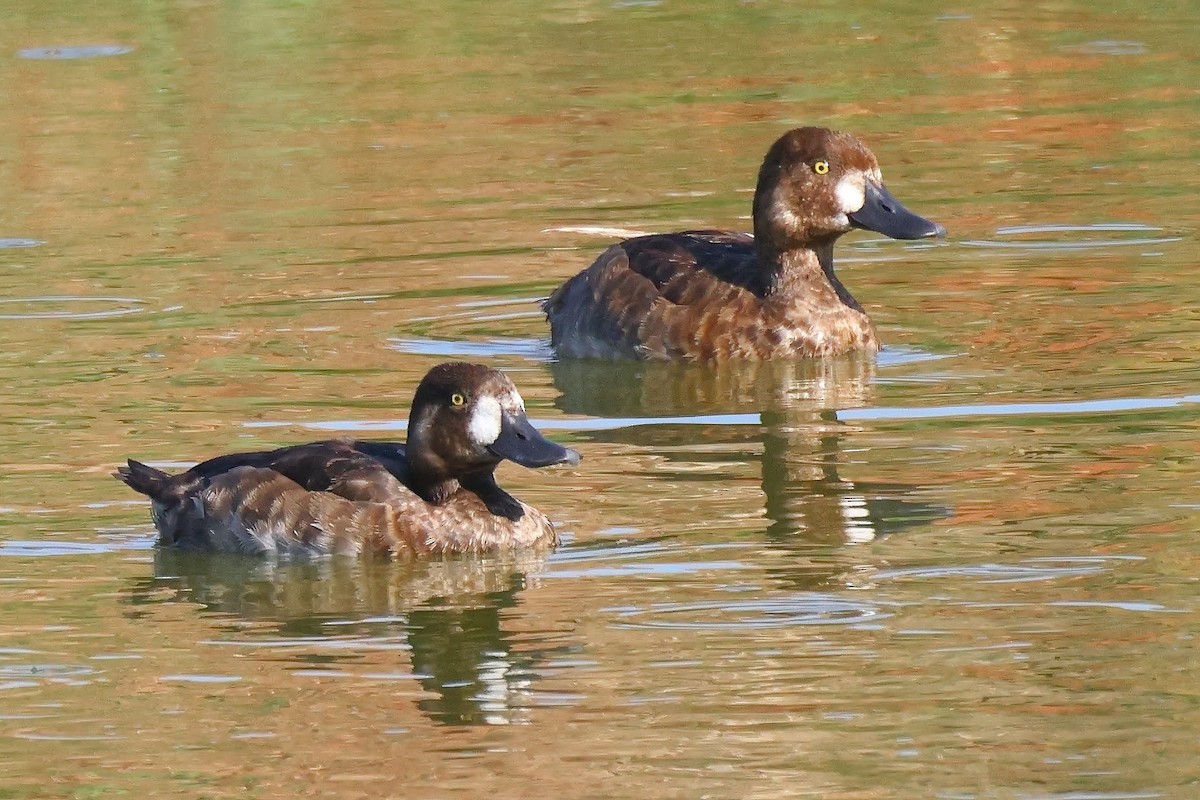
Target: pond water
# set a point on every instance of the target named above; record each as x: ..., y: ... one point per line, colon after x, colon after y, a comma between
x: 965, y: 569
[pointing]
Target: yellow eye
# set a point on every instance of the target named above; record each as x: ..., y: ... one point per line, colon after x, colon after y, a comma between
x: 821, y: 167
x: 458, y: 399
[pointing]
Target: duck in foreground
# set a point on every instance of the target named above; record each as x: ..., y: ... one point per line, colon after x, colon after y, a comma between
x: 710, y: 295
x: 435, y: 494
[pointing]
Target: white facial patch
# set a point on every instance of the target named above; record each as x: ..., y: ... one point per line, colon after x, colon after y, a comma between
x: 484, y: 427
x: 851, y: 191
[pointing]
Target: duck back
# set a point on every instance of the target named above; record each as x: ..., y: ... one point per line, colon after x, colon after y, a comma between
x: 261, y: 512
x: 702, y: 296
x: 229, y: 504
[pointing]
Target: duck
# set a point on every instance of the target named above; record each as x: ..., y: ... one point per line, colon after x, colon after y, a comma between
x: 436, y: 494
x: 715, y: 295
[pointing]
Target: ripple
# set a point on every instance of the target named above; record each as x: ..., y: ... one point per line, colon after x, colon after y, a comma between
x: 333, y: 425
x: 1113, y: 47
x: 75, y: 52
x: 1090, y: 795
x: 602, y: 231
x: 1090, y: 244
x: 620, y: 423
x: 1062, y: 243
x: 880, y: 249
x: 42, y: 307
x: 647, y: 568
x: 1102, y: 227
x: 530, y: 349
x: 596, y: 424
x: 64, y: 737
x: 901, y: 356
x: 631, y: 557
x: 200, y: 678
x: 1117, y: 605
x: 335, y: 643
x: 801, y: 609
x: 1115, y: 405
x: 12, y: 243
x: 540, y: 350
x: 1037, y: 569
x: 26, y: 548
x: 44, y: 671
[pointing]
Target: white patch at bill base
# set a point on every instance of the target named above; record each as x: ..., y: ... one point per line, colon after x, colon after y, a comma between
x: 851, y: 192
x: 484, y: 427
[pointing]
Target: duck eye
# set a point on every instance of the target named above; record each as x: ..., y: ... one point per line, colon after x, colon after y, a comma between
x: 458, y: 399
x: 820, y: 167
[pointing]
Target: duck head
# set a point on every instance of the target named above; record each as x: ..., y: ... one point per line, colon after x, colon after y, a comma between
x: 466, y: 419
x: 816, y: 184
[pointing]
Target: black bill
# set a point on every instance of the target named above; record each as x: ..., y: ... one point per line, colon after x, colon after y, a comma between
x: 884, y: 214
x: 521, y: 443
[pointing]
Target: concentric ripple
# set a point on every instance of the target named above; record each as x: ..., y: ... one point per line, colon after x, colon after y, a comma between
x: 1034, y: 569
x: 758, y: 614
x: 1074, y: 237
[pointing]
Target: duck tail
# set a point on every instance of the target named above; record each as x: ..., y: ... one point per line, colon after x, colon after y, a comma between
x: 145, y: 479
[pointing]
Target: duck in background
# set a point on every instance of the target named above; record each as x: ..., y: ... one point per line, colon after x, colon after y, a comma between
x: 712, y: 295
x: 435, y: 494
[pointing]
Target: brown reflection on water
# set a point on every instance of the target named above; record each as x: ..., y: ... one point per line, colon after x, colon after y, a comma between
x: 796, y: 442
x: 452, y: 626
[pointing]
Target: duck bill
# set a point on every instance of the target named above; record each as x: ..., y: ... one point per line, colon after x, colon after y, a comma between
x: 521, y: 443
x: 884, y: 214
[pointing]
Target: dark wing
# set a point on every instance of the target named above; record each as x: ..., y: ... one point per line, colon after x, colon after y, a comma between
x: 675, y: 261
x: 337, y: 495
x: 316, y: 466
x: 655, y: 296
x: 165, y: 488
x: 356, y: 470
x: 333, y: 496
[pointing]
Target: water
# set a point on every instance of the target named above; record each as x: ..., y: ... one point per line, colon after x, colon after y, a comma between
x: 965, y: 569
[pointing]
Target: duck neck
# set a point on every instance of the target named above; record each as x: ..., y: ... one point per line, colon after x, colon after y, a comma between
x: 797, y: 270
x: 431, y: 487
x: 428, y: 475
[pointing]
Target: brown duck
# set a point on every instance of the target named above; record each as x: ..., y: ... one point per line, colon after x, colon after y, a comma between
x: 711, y: 295
x: 435, y: 494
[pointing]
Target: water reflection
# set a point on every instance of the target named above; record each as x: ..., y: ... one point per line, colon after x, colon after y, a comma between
x: 454, y: 619
x: 801, y: 440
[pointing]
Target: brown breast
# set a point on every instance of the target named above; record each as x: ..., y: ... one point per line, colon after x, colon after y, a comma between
x: 703, y: 296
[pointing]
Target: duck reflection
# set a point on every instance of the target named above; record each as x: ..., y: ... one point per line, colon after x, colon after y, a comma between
x: 791, y: 416
x: 449, y: 615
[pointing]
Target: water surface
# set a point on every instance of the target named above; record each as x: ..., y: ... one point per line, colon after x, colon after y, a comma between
x: 965, y: 569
